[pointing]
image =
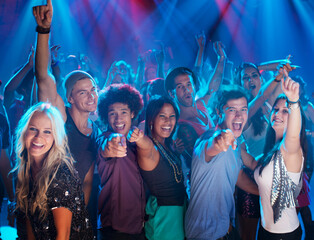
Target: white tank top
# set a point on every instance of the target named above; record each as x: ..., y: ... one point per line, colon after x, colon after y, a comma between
x: 289, y: 220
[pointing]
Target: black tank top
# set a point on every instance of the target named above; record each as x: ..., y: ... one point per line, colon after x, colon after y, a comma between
x: 162, y: 184
x: 83, y: 148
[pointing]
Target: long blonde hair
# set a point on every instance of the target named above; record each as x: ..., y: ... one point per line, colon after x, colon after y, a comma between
x: 58, y: 154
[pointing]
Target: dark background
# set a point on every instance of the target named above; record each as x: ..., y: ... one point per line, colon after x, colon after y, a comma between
x: 109, y: 30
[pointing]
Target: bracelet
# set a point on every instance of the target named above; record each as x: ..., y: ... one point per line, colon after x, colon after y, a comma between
x: 277, y: 80
x: 293, y: 105
x: 42, y: 30
x: 288, y: 101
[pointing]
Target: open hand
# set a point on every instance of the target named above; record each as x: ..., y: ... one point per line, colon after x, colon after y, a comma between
x: 220, y: 49
x: 201, y: 39
x: 159, y: 56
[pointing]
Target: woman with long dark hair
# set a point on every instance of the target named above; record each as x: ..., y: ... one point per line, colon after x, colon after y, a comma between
x: 262, y: 97
x: 161, y: 170
x: 279, y: 171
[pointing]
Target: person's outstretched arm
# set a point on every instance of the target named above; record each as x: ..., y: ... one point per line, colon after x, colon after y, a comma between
x: 219, y: 142
x: 139, y: 79
x: 17, y: 79
x: 201, y: 41
x: 291, y: 147
x: 147, y: 155
x: 217, y: 77
x: 267, y: 89
x: 160, y: 59
x: 47, y: 90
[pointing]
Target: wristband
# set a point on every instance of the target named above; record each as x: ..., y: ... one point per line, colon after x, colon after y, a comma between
x: 42, y: 30
x: 293, y: 105
x: 288, y: 101
x: 277, y: 80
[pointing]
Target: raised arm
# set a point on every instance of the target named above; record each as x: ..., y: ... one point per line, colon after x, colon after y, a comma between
x: 267, y: 89
x: 160, y: 59
x: 17, y: 79
x: 291, y: 147
x: 273, y: 65
x: 201, y: 41
x: 217, y: 77
x: 139, y: 79
x: 47, y: 90
x: 56, y: 72
x: 147, y: 155
x: 111, y: 74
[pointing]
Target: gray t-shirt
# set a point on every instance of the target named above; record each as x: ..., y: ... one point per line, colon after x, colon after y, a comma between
x: 212, y: 186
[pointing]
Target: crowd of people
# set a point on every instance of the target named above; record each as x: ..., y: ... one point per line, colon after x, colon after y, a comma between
x: 158, y: 155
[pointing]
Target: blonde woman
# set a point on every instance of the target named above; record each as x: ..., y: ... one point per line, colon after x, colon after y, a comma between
x: 48, y: 188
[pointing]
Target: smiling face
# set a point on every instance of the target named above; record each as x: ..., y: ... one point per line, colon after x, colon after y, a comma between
x: 251, y: 80
x: 120, y: 118
x: 234, y: 116
x: 184, y: 90
x: 84, y: 96
x: 279, y: 118
x: 38, y: 137
x: 164, y: 123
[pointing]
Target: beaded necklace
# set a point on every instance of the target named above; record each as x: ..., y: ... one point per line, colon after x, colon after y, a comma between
x: 172, y: 159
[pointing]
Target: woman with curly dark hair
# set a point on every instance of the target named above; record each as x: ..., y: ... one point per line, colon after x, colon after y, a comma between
x: 121, y: 202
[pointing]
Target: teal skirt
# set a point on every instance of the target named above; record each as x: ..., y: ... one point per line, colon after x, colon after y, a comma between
x: 164, y: 222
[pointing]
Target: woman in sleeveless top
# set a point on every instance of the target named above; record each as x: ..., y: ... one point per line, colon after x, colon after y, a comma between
x: 161, y: 170
x: 279, y: 171
x: 48, y: 192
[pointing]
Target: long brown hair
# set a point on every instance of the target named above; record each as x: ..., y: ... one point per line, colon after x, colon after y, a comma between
x: 270, y: 144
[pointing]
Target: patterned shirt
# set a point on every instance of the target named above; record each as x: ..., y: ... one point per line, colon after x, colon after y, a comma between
x: 64, y: 191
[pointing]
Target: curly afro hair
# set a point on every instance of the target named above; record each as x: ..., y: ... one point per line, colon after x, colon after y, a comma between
x: 119, y: 93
